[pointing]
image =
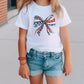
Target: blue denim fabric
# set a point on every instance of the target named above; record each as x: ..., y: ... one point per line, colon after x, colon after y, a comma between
x: 49, y: 63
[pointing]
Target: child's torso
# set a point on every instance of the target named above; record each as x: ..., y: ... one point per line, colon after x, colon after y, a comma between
x: 43, y: 31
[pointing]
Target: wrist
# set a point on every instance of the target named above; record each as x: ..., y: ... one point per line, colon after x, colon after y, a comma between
x: 22, y: 59
x: 23, y: 62
x: 67, y: 62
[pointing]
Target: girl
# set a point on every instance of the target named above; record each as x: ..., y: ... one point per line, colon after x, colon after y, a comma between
x: 43, y: 37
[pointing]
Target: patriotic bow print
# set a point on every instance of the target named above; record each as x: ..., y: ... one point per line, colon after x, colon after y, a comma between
x: 39, y: 22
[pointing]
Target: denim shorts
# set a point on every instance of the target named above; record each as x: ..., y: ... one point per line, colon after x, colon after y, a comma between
x: 49, y: 63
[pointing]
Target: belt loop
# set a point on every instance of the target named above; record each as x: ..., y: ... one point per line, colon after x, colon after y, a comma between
x: 36, y: 53
x: 31, y: 52
x: 51, y: 54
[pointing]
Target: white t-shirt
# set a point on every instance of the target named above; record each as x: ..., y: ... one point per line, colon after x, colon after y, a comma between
x: 43, y: 27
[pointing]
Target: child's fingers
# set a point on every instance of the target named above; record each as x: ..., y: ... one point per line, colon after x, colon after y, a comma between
x: 64, y: 71
x: 28, y: 72
x: 65, y: 74
x: 23, y: 76
x: 26, y: 75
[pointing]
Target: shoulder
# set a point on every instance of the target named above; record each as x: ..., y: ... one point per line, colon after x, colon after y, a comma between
x: 64, y: 11
x: 63, y: 7
x: 23, y: 10
x: 26, y: 8
x: 64, y: 17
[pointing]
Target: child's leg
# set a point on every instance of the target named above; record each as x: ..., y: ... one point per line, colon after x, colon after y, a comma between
x: 53, y: 80
x: 36, y: 79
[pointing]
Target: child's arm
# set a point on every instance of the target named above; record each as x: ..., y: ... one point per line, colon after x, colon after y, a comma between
x: 22, y: 44
x: 22, y: 23
x: 66, y: 43
x: 66, y: 48
x: 24, y: 69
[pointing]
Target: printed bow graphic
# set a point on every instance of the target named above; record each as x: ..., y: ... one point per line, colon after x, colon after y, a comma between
x: 39, y: 22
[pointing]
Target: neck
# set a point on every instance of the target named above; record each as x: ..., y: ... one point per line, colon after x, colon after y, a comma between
x: 43, y: 2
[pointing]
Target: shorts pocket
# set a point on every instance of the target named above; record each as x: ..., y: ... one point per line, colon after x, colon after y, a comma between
x: 57, y: 57
x: 29, y: 56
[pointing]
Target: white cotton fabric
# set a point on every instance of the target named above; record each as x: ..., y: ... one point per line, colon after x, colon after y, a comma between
x: 44, y: 42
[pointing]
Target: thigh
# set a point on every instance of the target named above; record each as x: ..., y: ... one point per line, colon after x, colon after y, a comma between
x: 53, y: 80
x: 36, y: 79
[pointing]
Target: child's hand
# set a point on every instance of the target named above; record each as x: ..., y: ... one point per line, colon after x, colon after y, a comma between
x: 24, y: 71
x: 67, y: 68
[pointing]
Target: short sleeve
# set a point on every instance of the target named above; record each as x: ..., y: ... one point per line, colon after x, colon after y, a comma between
x: 65, y: 20
x: 22, y: 19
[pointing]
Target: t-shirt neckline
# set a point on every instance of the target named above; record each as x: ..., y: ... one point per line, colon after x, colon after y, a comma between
x: 40, y: 5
